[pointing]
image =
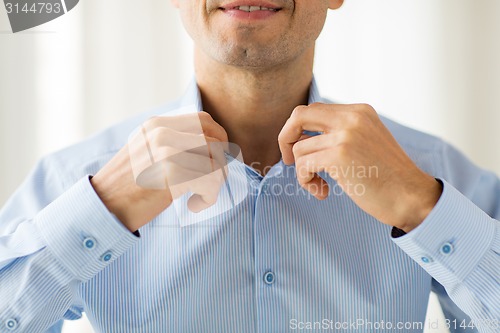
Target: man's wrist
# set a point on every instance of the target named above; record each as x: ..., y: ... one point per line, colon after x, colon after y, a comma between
x: 424, y: 202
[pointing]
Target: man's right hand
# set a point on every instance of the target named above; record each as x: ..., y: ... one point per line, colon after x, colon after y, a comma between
x: 181, y: 154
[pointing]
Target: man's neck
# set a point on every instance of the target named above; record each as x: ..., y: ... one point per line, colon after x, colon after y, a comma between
x: 253, y: 106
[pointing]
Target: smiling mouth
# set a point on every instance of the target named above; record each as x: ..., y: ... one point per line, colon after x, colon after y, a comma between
x: 250, y: 9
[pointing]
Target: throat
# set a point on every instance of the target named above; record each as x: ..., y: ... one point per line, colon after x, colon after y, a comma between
x: 253, y: 124
x: 261, y: 159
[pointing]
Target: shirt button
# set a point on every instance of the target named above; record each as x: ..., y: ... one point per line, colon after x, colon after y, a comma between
x: 446, y: 249
x: 89, y: 243
x: 426, y: 260
x: 269, y: 278
x: 107, y: 256
x: 11, y: 324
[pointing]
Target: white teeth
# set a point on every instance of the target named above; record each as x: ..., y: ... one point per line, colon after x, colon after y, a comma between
x: 253, y: 8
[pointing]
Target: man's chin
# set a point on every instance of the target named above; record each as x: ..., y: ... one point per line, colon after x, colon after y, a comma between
x: 249, y: 60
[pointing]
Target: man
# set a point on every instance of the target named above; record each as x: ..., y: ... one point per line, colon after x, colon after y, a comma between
x: 86, y: 233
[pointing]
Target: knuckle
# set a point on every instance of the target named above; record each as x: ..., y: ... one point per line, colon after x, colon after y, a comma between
x: 343, y: 137
x: 223, y: 134
x: 298, y: 111
x: 204, y: 115
x: 317, y: 104
x: 162, y: 154
x: 301, y: 164
x: 361, y: 117
x: 342, y: 150
x: 297, y: 149
x: 365, y: 106
x: 332, y: 139
x: 357, y: 118
x: 156, y: 136
x: 301, y: 177
x: 367, y: 109
x: 281, y: 136
x: 301, y: 181
x: 209, y: 125
x: 152, y: 122
x: 205, y: 118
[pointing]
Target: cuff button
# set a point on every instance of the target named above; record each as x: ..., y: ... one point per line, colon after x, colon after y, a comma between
x: 107, y: 256
x: 89, y: 243
x: 11, y: 324
x: 446, y: 249
x: 426, y: 260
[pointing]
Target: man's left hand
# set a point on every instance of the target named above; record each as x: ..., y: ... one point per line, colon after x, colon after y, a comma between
x: 359, y: 152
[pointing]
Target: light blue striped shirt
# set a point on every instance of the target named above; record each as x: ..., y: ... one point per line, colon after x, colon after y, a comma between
x: 280, y: 261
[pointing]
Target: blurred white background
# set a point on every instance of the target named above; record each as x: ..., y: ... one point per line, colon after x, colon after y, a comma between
x: 429, y: 64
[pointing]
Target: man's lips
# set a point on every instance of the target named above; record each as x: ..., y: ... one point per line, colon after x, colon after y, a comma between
x: 250, y: 6
x: 250, y: 10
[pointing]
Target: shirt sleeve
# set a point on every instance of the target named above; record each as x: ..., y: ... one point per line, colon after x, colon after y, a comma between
x: 458, y: 244
x: 23, y: 241
x: 74, y: 236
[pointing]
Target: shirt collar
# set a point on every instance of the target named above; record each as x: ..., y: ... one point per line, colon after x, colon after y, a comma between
x: 314, y: 95
x: 192, y: 96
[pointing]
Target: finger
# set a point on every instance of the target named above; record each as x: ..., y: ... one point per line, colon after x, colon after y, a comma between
x: 196, y: 203
x: 162, y: 137
x: 217, y: 148
x: 293, y: 131
x: 197, y: 123
x: 306, y: 171
x: 196, y: 162
x: 166, y: 143
x: 163, y: 142
x: 189, y: 123
x: 314, y: 118
x: 192, y: 174
x: 211, y: 128
x: 205, y: 159
x: 305, y: 137
x: 217, y: 153
x: 206, y: 191
x: 167, y: 176
x: 174, y: 176
x: 302, y: 138
x: 315, y: 162
x: 318, y: 187
x: 314, y: 144
x: 319, y: 117
x: 150, y: 164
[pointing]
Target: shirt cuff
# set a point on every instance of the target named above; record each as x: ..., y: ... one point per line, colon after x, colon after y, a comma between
x: 452, y: 240
x: 81, y: 233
